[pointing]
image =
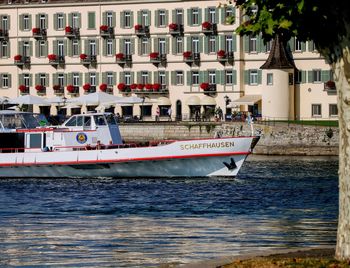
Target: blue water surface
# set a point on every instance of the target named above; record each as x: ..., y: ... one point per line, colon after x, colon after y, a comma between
x: 274, y: 203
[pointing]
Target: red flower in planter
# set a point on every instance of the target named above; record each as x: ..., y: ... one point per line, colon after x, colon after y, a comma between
x: 56, y: 87
x: 68, y: 29
x: 104, y: 28
x: 187, y: 54
x: 36, y: 30
x: 52, y: 57
x: 133, y: 86
x: 206, y: 25
x: 103, y: 87
x: 154, y: 55
x: 86, y: 86
x: 221, y: 53
x: 120, y: 56
x: 140, y: 86
x: 83, y: 56
x: 138, y: 27
x: 173, y: 26
x: 149, y: 87
x: 70, y: 88
x: 204, y: 86
x: 330, y: 84
x: 22, y: 88
x: 17, y: 57
x: 156, y: 86
x: 39, y: 87
x: 121, y: 86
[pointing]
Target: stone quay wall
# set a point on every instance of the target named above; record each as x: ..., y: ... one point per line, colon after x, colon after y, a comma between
x: 277, y: 139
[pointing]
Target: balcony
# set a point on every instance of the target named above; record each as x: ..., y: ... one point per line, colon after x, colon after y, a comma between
x: 330, y: 87
x: 58, y: 90
x: 190, y: 57
x: 56, y: 60
x: 72, y: 33
x: 150, y: 89
x: 106, y: 88
x: 157, y: 58
x: 176, y: 29
x: 89, y: 89
x: 88, y: 59
x: 39, y: 34
x: 20, y: 60
x: 4, y: 35
x: 209, y: 28
x: 24, y: 90
x: 106, y: 31
x: 141, y: 30
x: 40, y: 90
x: 208, y: 89
x: 224, y: 56
x: 123, y: 59
x: 73, y: 90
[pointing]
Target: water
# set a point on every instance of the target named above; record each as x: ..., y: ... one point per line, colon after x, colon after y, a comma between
x: 274, y: 203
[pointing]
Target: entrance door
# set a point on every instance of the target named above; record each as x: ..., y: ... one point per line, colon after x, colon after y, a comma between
x: 178, y: 110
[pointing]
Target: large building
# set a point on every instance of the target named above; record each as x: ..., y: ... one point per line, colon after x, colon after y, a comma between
x: 174, y: 53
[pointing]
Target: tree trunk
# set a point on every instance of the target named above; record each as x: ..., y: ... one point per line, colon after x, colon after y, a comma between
x: 342, y: 78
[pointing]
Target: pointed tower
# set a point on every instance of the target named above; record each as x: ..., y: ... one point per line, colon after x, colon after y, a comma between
x: 278, y: 83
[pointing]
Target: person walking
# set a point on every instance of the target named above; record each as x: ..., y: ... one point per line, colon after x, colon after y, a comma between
x: 157, y: 114
x: 169, y: 113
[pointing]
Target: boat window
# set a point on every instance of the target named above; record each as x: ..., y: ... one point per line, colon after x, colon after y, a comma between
x: 72, y: 122
x: 79, y: 121
x: 111, y: 119
x: 100, y: 120
x: 87, y: 121
x: 35, y: 140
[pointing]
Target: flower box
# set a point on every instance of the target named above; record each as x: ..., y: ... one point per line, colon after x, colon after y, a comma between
x: 70, y: 88
x: 204, y: 86
x: 154, y: 55
x: 133, y: 86
x: 103, y: 87
x: 221, y: 53
x: 86, y: 87
x: 104, y: 28
x: 149, y: 87
x: 36, y: 30
x: 187, y: 54
x: 22, y: 88
x: 120, y: 56
x: 140, y: 86
x: 121, y: 86
x: 17, y: 57
x: 206, y: 25
x: 68, y: 29
x: 52, y: 57
x: 83, y: 56
x: 138, y: 27
x: 156, y: 87
x: 173, y: 26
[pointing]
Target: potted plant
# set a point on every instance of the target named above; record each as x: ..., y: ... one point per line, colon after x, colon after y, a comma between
x: 173, y: 26
x: 70, y: 88
x: 138, y: 27
x: 103, y: 87
x: 86, y: 87
x: 22, y: 88
x: 104, y: 28
x: 221, y: 53
x: 83, y: 56
x: 52, y: 57
x: 154, y: 55
x: 156, y: 87
x: 204, y: 86
x: 187, y: 54
x: 17, y: 57
x: 121, y: 87
x: 68, y: 29
x: 206, y: 25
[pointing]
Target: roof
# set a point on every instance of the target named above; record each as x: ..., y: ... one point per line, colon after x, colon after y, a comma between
x: 278, y: 57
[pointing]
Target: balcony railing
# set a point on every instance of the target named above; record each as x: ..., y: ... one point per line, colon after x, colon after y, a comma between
x: 92, y: 89
x: 141, y: 30
x: 106, y: 31
x: 41, y: 91
x: 4, y: 35
x: 88, y: 60
x: 176, y: 29
x: 39, y: 33
x: 57, y: 60
x: 123, y: 59
x: 191, y: 58
x: 330, y: 87
x: 22, y: 61
x: 58, y: 90
x: 24, y: 90
x: 158, y: 58
x: 210, y: 89
x: 223, y: 56
x: 209, y: 28
x: 72, y: 33
x: 73, y: 91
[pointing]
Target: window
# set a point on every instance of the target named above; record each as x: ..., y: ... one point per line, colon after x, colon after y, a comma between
x: 92, y: 79
x: 92, y: 47
x: 316, y: 76
x: 162, y: 78
x: 60, y: 79
x: 212, y: 44
x: 127, y: 46
x: 26, y: 22
x: 127, y: 19
x: 42, y: 48
x: 42, y: 21
x: 269, y: 79
x: 253, y: 44
x: 179, y: 45
x: 179, y: 16
x: 253, y: 77
x: 212, y: 15
x: 60, y: 21
x: 229, y: 43
x: 268, y: 46
x: 4, y: 49
x: 91, y: 20
x: 26, y: 49
x: 109, y: 19
x: 179, y: 78
x: 145, y: 20
x: 75, y: 20
x: 4, y: 22
x: 195, y: 78
x: 109, y: 46
x: 76, y: 80
x: 5, y: 83
x: 60, y: 48
x: 161, y: 18
x: 228, y: 13
x: 110, y: 79
x: 316, y: 110
x: 211, y: 77
x: 195, y: 44
x: 297, y: 46
x: 75, y: 48
x: 194, y: 16
x: 127, y: 78
x: 298, y: 77
x: 144, y: 46
x: 144, y: 77
x: 228, y: 77
x: 26, y: 80
x: 161, y: 46
x: 42, y: 79
x: 333, y: 110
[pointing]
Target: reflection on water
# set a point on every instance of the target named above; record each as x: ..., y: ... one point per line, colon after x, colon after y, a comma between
x: 274, y: 203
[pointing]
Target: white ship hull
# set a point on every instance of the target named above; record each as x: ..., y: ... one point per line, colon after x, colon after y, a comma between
x: 193, y: 158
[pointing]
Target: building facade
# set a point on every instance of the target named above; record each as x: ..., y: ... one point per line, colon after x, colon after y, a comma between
x: 174, y: 53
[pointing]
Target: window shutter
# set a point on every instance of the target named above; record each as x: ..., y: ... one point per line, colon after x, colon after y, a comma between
x: 54, y: 79
x: 167, y: 45
x: 97, y: 46
x: 20, y: 79
x: 156, y: 19
x: 47, y: 81
x: 202, y: 76
x: 311, y: 46
x: 114, y: 23
x: 234, y: 77
x: 246, y: 43
x: 303, y: 46
x: 139, y: 17
x: 149, y: 18
x: 310, y: 78
x: 87, y: 78
x: 30, y: 48
x: 173, y: 45
x: 97, y: 79
x: 325, y: 75
x: 259, y: 76
x: 69, y: 48
x: 70, y: 19
x: 189, y: 17
x: 10, y: 79
x: 37, y: 20
x: 132, y: 40
x: 131, y: 77
x: 80, y: 79
x: 21, y: 21
x: 155, y: 77
x: 70, y: 78
x: 223, y: 15
x: 37, y: 49
x: 188, y: 78
x: 155, y: 44
x: 234, y: 42
x: 206, y: 12
x: 122, y: 19
x: 246, y: 77
x: 173, y: 77
x: 46, y: 21
x: 92, y: 20
x: 114, y: 47
x: 201, y: 44
x: 79, y: 20
x: 166, y: 17
x: 222, y: 77
x: 37, y: 79
x: 206, y: 40
x: 104, y: 78
x: 104, y: 18
x: 291, y: 43
x: 216, y: 15
x: 20, y: 48
x: 167, y: 78
x: 46, y: 48
x: 303, y: 76
x: 132, y: 18
x: 114, y: 78
x: 55, y: 26
x: 189, y: 43
x: 8, y: 51
x: 261, y: 46
x: 218, y: 77
x: 30, y: 80
x: 104, y: 47
x: 65, y: 47
x: 199, y: 16
x: 222, y: 42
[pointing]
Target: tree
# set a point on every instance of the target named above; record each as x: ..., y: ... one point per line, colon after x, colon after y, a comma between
x: 327, y: 24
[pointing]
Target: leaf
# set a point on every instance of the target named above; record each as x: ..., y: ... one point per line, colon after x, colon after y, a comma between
x: 285, y: 24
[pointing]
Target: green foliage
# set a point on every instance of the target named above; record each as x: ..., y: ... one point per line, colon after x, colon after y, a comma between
x: 325, y: 22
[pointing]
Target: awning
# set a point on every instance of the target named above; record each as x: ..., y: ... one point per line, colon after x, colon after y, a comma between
x: 246, y: 100
x: 193, y: 100
x: 206, y: 100
x: 164, y: 101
